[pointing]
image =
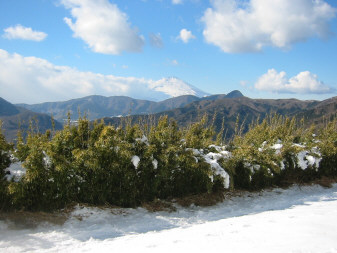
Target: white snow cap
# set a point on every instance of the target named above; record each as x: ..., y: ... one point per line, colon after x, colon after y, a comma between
x: 175, y: 87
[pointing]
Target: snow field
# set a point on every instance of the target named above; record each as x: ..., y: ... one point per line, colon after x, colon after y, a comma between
x: 298, y: 219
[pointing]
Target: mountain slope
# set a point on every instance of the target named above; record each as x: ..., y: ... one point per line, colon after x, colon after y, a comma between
x: 321, y: 112
x: 14, y: 116
x: 7, y: 109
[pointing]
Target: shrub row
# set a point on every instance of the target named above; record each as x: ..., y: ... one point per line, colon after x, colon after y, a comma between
x: 98, y: 164
x: 103, y: 165
x: 280, y: 151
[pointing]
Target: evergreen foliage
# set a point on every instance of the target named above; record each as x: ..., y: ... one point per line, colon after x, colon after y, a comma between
x: 328, y: 147
x: 125, y: 166
x: 267, y: 154
x: 5, y: 161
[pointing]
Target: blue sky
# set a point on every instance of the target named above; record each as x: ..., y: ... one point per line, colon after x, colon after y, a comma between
x: 60, y: 49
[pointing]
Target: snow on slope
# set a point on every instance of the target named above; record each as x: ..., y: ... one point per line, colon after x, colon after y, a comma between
x: 293, y: 220
x: 175, y: 87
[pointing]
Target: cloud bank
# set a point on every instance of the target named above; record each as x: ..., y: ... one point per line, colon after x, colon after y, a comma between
x: 23, y: 33
x: 103, y: 27
x: 303, y: 83
x: 35, y: 80
x: 248, y: 26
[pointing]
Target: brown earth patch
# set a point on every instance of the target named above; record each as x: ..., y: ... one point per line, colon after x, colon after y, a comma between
x: 28, y: 220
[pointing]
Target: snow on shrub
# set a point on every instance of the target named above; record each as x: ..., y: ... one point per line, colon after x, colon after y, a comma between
x: 135, y: 161
x: 213, y: 159
x: 305, y: 159
x: 15, y: 171
x: 155, y: 164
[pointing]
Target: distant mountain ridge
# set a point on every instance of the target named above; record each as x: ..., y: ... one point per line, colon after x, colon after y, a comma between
x: 185, y: 110
x: 322, y: 112
x: 96, y: 107
x: 228, y: 109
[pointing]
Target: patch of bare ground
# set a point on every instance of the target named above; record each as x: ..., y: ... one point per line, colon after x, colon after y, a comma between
x: 29, y: 220
x: 204, y: 199
x: 325, y: 182
x: 159, y: 205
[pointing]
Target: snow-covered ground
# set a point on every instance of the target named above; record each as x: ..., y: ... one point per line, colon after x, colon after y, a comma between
x: 299, y: 219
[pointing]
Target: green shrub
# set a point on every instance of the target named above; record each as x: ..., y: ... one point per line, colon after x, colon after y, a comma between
x: 35, y: 190
x: 328, y: 147
x: 125, y: 166
x: 5, y: 162
x: 199, y: 135
x: 267, y: 154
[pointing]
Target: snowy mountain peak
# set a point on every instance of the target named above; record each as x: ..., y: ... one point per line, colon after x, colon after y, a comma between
x: 175, y: 87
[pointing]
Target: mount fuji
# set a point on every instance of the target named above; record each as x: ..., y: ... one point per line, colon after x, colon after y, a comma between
x: 174, y: 87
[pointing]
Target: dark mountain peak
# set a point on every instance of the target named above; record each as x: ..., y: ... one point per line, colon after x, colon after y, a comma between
x: 7, y: 109
x: 234, y: 94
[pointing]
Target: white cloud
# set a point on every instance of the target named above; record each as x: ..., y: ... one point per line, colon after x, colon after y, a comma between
x: 156, y: 40
x: 237, y: 26
x: 177, y: 1
x: 23, y: 33
x: 174, y: 62
x: 102, y: 26
x: 35, y: 80
x: 185, y: 35
x: 303, y: 83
